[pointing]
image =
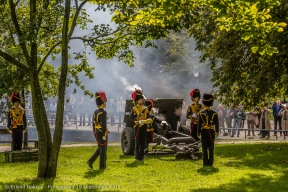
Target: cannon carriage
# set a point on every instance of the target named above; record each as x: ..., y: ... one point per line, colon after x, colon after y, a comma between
x: 168, y: 136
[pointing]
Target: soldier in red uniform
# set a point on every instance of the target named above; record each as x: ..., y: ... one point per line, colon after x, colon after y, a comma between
x: 17, y: 122
x: 193, y: 111
x: 139, y: 115
x: 100, y: 131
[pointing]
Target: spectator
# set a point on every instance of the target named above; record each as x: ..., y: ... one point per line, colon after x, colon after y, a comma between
x: 236, y: 120
x: 82, y: 109
x: 73, y: 108
x: 91, y: 111
x: 112, y: 108
x: 241, y: 116
x: 276, y: 107
x: 284, y: 114
x: 120, y: 109
x: 250, y: 122
x: 228, y: 118
x: 220, y: 112
x: 66, y: 114
x: 265, y: 121
x: 53, y: 107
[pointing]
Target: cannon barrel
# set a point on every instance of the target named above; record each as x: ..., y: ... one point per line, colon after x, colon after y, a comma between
x: 181, y: 140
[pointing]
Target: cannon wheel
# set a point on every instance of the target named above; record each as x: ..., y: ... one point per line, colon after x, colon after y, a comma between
x: 127, y: 141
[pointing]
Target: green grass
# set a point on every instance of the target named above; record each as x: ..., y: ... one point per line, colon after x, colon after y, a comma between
x: 237, y: 167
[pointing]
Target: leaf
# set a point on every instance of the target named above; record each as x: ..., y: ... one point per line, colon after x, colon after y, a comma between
x: 254, y: 9
x: 134, y: 23
x: 280, y: 29
x: 246, y: 36
x: 254, y: 49
x: 282, y: 24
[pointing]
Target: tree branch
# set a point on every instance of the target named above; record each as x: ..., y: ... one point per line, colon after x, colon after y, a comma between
x: 18, y: 31
x: 46, y: 56
x: 45, y: 6
x: 11, y: 59
x: 75, y: 18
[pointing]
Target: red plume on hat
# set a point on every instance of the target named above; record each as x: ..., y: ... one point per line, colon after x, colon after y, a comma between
x: 195, y: 93
x: 136, y: 95
x: 15, y: 97
x: 100, y: 97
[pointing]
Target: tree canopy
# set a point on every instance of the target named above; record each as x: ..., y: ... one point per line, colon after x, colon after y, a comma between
x: 242, y: 40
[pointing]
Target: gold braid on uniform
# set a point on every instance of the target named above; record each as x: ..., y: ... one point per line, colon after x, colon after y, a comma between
x: 207, y: 125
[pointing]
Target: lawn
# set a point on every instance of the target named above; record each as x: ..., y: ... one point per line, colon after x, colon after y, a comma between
x: 237, y: 167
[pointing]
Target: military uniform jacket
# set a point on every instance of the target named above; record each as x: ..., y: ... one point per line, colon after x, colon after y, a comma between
x: 100, y: 120
x: 208, y: 119
x: 139, y: 112
x: 194, y: 108
x: 17, y: 117
x: 155, y: 119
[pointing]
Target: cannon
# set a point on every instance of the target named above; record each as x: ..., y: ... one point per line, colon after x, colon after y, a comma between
x: 168, y: 136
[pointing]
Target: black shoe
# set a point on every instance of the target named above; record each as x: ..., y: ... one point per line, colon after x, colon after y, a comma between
x: 232, y: 136
x: 89, y: 165
x: 237, y: 135
x: 88, y: 124
x: 249, y: 135
x: 259, y: 134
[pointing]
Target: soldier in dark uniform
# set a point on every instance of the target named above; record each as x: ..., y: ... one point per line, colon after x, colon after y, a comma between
x: 139, y: 115
x: 208, y: 128
x: 152, y: 126
x: 193, y: 111
x: 17, y: 122
x: 100, y: 131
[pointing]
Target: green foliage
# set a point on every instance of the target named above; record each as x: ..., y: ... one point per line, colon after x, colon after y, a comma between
x: 240, y: 74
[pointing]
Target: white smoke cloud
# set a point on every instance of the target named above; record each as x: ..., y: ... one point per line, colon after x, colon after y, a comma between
x: 128, y: 86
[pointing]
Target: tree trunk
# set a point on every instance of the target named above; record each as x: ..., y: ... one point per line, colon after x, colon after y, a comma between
x: 42, y: 125
x: 57, y: 138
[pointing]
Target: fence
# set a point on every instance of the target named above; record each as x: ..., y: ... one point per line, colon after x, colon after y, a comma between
x: 246, y: 129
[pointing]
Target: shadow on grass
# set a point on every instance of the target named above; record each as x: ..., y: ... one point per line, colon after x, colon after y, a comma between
x: 207, y: 170
x: 265, y: 156
x: 135, y: 163
x: 93, y: 173
x: 251, y: 182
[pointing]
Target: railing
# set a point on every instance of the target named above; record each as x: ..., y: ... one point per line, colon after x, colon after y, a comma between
x: 265, y: 130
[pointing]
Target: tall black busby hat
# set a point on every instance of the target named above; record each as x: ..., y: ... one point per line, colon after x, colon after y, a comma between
x: 136, y: 95
x: 15, y: 97
x: 208, y: 99
x: 100, y: 98
x: 195, y: 93
x: 149, y: 104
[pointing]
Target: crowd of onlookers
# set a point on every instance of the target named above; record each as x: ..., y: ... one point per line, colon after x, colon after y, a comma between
x: 235, y: 117
x: 76, y: 110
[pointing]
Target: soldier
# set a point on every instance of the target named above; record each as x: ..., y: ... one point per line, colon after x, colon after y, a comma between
x: 208, y: 127
x: 150, y: 127
x: 100, y: 131
x: 17, y: 122
x: 193, y: 111
x: 139, y: 115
